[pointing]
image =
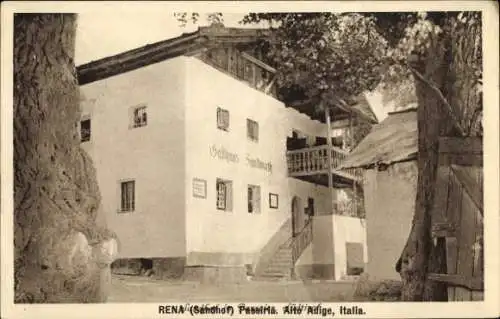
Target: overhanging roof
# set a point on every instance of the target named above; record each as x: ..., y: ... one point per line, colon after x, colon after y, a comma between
x: 359, y: 106
x: 395, y: 139
x: 185, y: 44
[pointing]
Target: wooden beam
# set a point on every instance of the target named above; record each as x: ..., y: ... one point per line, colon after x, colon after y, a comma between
x: 270, y: 85
x: 88, y: 75
x: 472, y: 283
x: 468, y: 183
x: 229, y: 58
x: 443, y: 229
x: 440, y: 206
x: 461, y: 145
x: 258, y: 62
x: 348, y: 109
x: 342, y: 124
x: 141, y: 57
x: 254, y: 76
x: 460, y: 159
x: 329, y: 155
x: 351, y: 132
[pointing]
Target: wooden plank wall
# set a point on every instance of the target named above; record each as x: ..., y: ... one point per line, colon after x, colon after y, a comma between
x: 453, y: 214
x: 463, y: 256
x: 457, y: 216
x: 465, y: 240
x: 478, y: 263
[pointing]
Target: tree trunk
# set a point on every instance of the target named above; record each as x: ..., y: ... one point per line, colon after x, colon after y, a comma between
x: 416, y: 255
x: 57, y: 237
x: 443, y: 67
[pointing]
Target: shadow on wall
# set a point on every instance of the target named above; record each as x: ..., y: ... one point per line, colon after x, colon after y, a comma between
x: 160, y: 268
x: 323, y: 253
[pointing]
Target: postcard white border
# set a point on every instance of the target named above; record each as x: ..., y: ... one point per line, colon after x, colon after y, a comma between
x: 489, y: 307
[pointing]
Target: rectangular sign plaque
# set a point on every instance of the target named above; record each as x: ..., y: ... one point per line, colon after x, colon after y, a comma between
x: 199, y: 188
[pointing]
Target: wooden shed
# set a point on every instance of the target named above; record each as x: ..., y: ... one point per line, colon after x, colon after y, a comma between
x: 388, y: 155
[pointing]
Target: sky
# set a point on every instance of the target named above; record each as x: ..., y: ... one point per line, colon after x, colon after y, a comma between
x: 101, y: 33
x: 111, y: 31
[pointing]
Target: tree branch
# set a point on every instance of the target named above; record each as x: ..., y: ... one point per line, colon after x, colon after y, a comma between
x: 438, y: 92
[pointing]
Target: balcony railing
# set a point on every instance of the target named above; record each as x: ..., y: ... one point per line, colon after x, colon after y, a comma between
x: 314, y: 160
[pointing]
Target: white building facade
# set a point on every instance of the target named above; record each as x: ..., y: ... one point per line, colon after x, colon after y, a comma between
x: 192, y: 164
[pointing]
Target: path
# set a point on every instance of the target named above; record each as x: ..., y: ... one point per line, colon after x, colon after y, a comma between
x: 142, y: 289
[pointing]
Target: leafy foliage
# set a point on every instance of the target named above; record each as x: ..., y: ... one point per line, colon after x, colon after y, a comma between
x: 327, y: 56
x: 212, y: 18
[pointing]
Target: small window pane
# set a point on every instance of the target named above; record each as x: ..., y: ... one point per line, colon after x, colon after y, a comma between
x: 140, y: 117
x: 85, y: 130
x: 252, y: 130
x: 128, y: 196
x: 222, y: 119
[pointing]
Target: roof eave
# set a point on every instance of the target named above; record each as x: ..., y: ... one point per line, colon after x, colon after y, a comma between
x: 163, y: 50
x: 370, y: 165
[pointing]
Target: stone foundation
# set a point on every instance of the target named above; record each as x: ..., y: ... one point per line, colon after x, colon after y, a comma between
x: 169, y: 268
x: 318, y: 271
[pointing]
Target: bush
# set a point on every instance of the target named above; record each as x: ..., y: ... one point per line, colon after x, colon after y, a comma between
x: 372, y: 290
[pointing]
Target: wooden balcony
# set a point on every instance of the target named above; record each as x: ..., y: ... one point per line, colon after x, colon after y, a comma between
x: 243, y: 67
x: 311, y: 164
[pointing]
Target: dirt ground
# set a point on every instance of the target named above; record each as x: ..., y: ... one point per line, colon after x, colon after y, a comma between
x: 144, y: 289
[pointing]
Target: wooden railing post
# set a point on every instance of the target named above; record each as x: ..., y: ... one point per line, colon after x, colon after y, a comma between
x: 318, y: 160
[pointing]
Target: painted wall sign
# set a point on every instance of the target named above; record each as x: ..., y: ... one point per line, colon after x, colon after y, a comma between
x: 257, y: 163
x: 223, y: 154
x: 199, y: 188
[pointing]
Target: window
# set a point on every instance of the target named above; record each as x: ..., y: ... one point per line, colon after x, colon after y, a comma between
x: 127, y: 196
x: 85, y: 130
x: 222, y: 119
x: 273, y: 200
x: 224, y: 195
x: 252, y: 130
x: 140, y: 117
x: 253, y: 199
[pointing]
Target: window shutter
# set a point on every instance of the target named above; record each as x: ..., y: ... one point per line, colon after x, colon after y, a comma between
x: 257, y: 199
x: 229, y: 196
x: 225, y: 117
x: 124, y: 197
x: 132, y: 195
x: 220, y: 121
x: 250, y: 199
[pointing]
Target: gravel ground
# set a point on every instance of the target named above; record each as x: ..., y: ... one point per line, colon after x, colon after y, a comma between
x: 143, y: 289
